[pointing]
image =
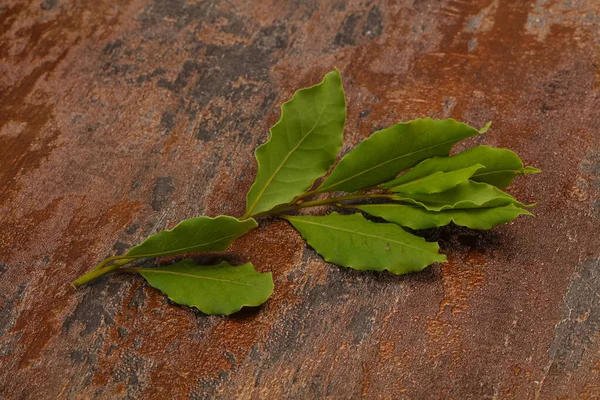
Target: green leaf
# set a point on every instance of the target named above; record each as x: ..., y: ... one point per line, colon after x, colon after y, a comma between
x: 354, y: 241
x: 436, y: 182
x: 466, y: 195
x: 501, y: 166
x: 192, y: 236
x: 417, y: 218
x: 216, y: 289
x: 390, y: 151
x: 302, y: 147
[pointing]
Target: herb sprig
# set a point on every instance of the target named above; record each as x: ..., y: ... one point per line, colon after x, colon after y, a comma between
x: 405, y: 168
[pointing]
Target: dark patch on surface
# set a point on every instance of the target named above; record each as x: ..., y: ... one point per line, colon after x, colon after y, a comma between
x: 167, y: 122
x: 80, y: 356
x: 117, y: 61
x: 138, y: 180
x: 188, y: 69
x: 138, y: 299
x: 148, y: 77
x: 291, y: 338
x: 364, y: 113
x: 272, y: 37
x: 591, y: 165
x: 127, y: 372
x: 345, y: 37
x: 235, y: 61
x: 7, y: 311
x: 112, y: 49
x: 118, y: 70
x: 123, y: 332
x: 580, y: 318
x: 91, y: 311
x: 131, y: 229
x: 206, y: 387
x: 373, y: 26
x: 48, y: 4
x: 564, y: 87
x: 120, y: 247
x: 163, y: 188
x: 361, y: 323
x: 179, y: 13
x: 3, y: 269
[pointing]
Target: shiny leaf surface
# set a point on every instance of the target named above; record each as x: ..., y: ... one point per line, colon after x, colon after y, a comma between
x: 466, y: 195
x: 355, y: 242
x: 390, y: 151
x: 500, y: 166
x: 418, y: 218
x: 302, y: 147
x: 216, y: 289
x: 437, y: 182
x: 192, y: 236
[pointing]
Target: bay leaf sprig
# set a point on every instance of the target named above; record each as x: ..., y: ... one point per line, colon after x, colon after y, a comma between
x: 403, y: 175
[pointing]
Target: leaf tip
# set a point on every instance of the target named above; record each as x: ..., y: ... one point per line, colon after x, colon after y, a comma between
x: 485, y: 127
x: 526, y: 206
x: 530, y: 170
x: 529, y: 214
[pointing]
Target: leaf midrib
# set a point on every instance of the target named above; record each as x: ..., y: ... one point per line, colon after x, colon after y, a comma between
x: 147, y: 270
x: 182, y: 249
x: 516, y: 171
x: 360, y: 207
x: 361, y: 234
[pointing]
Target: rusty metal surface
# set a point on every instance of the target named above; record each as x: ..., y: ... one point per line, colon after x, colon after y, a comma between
x: 120, y: 118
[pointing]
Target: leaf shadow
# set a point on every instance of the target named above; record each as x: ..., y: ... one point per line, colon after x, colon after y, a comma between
x: 459, y: 238
x: 202, y: 259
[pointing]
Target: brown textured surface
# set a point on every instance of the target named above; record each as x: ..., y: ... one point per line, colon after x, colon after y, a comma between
x: 120, y: 118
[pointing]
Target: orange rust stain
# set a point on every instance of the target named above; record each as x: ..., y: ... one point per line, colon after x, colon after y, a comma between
x: 82, y: 229
x: 38, y: 328
x: 16, y: 232
x: 458, y: 282
x: 8, y: 17
x: 366, y: 380
x: 14, y: 107
x: 590, y: 391
x: 272, y: 246
x: 387, y: 351
x: 60, y: 34
x: 516, y: 370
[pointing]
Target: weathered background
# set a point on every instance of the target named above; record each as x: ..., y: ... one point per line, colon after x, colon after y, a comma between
x: 120, y: 118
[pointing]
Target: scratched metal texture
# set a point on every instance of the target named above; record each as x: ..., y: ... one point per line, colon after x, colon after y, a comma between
x: 120, y: 118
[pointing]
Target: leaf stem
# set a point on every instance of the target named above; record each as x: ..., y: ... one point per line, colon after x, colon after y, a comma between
x: 305, y: 195
x: 111, y: 259
x: 99, y: 272
x: 316, y: 203
x: 114, y: 263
